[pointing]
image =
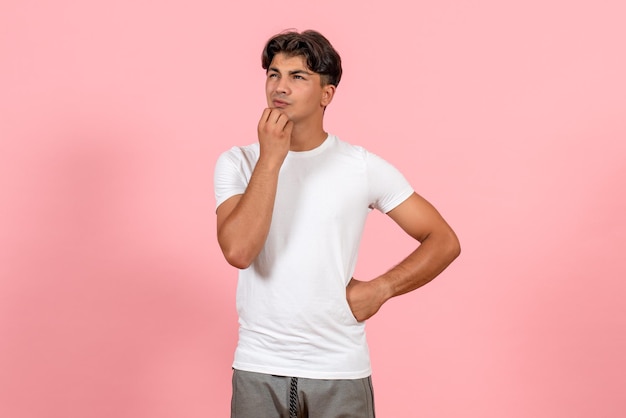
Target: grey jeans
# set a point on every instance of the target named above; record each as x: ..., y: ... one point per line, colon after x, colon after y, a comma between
x: 258, y: 395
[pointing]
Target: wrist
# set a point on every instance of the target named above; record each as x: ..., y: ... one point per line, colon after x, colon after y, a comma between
x: 385, y: 288
x: 268, y: 164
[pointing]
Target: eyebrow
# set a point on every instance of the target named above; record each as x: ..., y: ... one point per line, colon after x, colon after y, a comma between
x: 293, y: 72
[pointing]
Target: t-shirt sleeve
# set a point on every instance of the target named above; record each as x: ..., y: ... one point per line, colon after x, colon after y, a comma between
x: 387, y: 186
x: 229, y: 179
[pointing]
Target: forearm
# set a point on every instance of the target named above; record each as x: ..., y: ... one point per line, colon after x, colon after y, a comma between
x: 433, y: 255
x: 243, y: 233
x: 421, y: 266
x: 243, y: 221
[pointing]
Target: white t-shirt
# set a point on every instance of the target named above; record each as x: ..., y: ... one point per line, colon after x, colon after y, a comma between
x: 294, y: 319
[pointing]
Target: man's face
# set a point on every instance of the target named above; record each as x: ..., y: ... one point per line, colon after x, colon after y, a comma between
x: 296, y: 90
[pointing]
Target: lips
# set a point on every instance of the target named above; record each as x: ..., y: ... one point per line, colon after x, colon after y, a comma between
x: 279, y: 103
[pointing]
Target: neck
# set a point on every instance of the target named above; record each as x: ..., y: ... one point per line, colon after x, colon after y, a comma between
x: 305, y: 138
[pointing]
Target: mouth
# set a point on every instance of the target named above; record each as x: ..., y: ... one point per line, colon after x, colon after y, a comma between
x: 279, y: 103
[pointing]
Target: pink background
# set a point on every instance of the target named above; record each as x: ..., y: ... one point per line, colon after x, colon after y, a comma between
x: 509, y: 116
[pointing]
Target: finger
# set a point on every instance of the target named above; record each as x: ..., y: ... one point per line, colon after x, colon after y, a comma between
x: 277, y: 115
x: 282, y: 120
x: 265, y: 116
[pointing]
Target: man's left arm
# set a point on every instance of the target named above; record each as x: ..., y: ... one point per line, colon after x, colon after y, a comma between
x: 438, y: 247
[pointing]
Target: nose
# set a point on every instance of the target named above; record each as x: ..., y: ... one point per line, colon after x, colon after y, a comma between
x: 282, y: 86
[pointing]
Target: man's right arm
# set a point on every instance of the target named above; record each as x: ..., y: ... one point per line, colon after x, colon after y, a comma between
x: 243, y: 221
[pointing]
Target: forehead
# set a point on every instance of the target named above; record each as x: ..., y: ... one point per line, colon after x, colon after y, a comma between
x: 284, y: 62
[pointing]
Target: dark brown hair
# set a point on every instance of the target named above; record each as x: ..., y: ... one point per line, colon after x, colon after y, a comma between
x: 318, y: 53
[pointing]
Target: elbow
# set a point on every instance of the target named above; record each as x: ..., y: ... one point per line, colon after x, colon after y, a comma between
x: 448, y: 244
x: 455, y: 251
x: 453, y: 247
x: 237, y: 263
x: 237, y: 257
x: 235, y: 253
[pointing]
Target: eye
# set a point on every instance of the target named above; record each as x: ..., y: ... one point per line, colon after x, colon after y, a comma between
x: 298, y: 77
x: 272, y: 75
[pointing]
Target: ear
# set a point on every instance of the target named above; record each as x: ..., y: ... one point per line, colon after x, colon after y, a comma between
x: 328, y: 92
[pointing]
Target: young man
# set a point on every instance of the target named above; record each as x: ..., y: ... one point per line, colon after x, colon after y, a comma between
x: 290, y: 214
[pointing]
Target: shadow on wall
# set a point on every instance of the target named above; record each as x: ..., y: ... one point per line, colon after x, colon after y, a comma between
x: 102, y: 313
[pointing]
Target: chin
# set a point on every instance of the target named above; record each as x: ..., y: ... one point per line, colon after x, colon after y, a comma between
x: 288, y: 114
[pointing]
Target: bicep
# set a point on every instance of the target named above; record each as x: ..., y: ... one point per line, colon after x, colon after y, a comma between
x: 418, y: 218
x: 225, y: 209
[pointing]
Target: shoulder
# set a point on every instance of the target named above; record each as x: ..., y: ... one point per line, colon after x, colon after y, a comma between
x: 238, y: 158
x: 348, y: 148
x: 238, y: 153
x: 371, y: 161
x: 356, y: 150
